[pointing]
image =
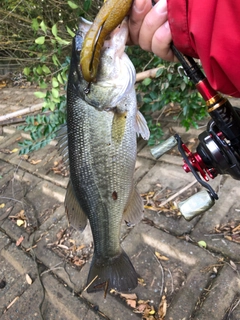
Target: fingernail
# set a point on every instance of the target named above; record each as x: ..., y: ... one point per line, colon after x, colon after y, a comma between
x: 161, y: 7
x: 166, y: 25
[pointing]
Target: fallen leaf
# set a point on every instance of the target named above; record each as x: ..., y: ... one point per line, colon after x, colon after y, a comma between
x: 73, y: 248
x: 78, y: 262
x: 148, y: 195
x: 20, y: 222
x: 140, y: 308
x: 143, y: 302
x: 215, y: 269
x: 25, y: 157
x: 202, y: 244
x: 34, y: 162
x: 151, y: 208
x: 148, y: 312
x: 236, y: 238
x: 152, y: 312
x: 228, y: 238
x: 162, y: 310
x: 233, y: 265
x: 131, y: 296
x: 21, y: 215
x: 14, y: 150
x: 80, y: 247
x: 60, y: 234
x: 237, y: 228
x: 131, y: 303
x: 63, y: 246
x: 160, y: 257
x: 29, y: 280
x: 19, y: 241
x: 141, y: 282
x: 2, y: 205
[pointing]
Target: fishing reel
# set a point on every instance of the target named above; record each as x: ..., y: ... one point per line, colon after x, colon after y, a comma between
x: 218, y: 151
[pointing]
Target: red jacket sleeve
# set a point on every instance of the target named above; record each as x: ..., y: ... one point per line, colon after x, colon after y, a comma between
x: 210, y: 30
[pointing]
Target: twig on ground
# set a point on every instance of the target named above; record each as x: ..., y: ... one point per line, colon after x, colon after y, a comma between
x: 21, y: 112
x: 177, y: 193
x: 147, y: 74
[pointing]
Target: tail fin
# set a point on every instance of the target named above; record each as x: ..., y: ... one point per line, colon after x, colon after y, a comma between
x: 117, y: 271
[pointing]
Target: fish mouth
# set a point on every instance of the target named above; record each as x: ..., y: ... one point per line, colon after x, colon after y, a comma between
x: 96, y: 39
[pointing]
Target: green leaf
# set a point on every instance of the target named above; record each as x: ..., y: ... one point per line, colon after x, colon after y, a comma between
x: 62, y: 41
x: 55, y: 60
x: 39, y: 70
x: 183, y: 86
x: 40, y: 94
x: 26, y: 71
x: 45, y: 69
x: 55, y: 93
x: 43, y: 27
x: 60, y: 80
x: 55, y: 100
x: 54, y: 30
x: 35, y: 24
x: 72, y: 34
x: 43, y: 85
x: 54, y: 82
x: 40, y: 40
x: 146, y: 81
x: 51, y: 105
x: 87, y: 4
x: 72, y: 5
x: 159, y: 72
x: 202, y: 244
x: 169, y: 76
x: 64, y: 76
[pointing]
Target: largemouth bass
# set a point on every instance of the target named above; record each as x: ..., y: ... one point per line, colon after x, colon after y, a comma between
x: 102, y: 123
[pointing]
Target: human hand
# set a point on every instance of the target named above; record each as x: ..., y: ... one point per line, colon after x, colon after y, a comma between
x: 149, y: 28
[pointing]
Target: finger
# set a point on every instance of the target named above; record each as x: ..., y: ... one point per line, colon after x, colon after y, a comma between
x: 156, y: 17
x: 138, y: 12
x: 161, y: 41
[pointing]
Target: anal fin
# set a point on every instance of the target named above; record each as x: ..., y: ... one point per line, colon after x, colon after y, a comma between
x: 133, y: 212
x: 76, y: 216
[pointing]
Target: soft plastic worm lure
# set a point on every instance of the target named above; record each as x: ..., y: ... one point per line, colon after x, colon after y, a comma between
x: 108, y: 18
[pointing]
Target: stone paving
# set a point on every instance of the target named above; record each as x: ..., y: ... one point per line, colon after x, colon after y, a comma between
x: 44, y: 263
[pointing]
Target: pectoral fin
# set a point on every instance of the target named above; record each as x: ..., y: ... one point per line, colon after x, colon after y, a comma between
x: 141, y: 126
x: 76, y: 216
x: 134, y: 210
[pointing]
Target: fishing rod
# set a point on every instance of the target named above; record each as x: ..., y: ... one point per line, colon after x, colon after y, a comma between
x: 218, y: 151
